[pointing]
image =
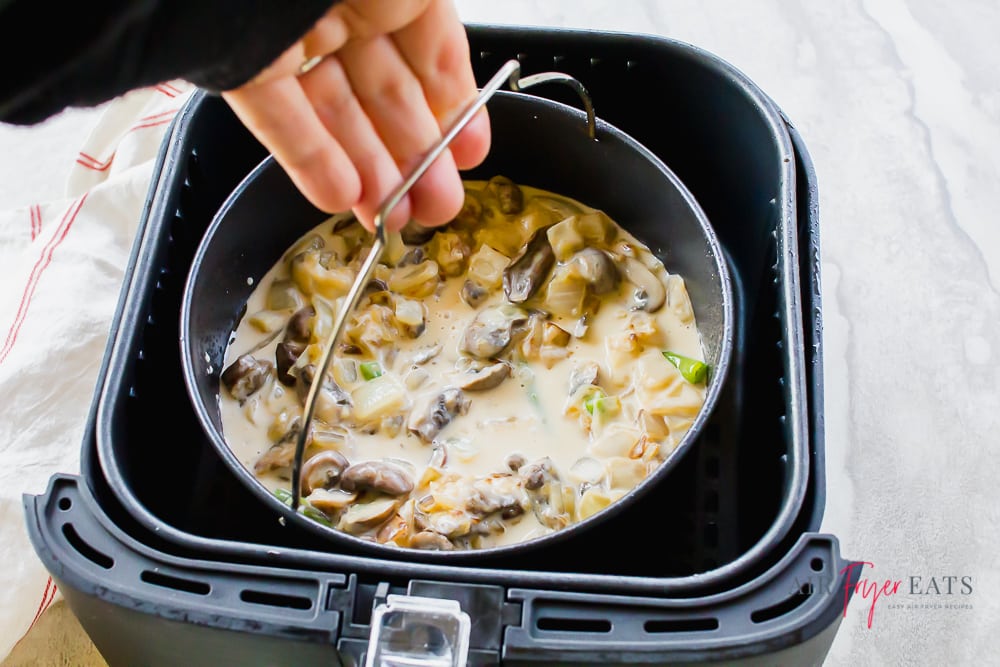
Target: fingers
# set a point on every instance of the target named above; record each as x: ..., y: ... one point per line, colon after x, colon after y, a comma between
x: 349, y: 130
x: 436, y: 48
x: 329, y: 91
x: 393, y: 98
x: 282, y: 118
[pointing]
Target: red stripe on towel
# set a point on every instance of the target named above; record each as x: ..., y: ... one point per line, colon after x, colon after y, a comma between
x: 36, y: 273
x: 47, y: 595
x: 93, y: 163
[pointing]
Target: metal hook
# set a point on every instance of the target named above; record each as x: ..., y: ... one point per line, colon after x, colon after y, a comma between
x: 509, y: 72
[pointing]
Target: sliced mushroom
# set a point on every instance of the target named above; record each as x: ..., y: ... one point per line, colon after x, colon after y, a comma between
x: 416, y: 234
x: 364, y: 516
x: 381, y: 476
x: 526, y: 273
x: 285, y: 355
x: 515, y: 461
x: 431, y: 541
x: 322, y: 471
x: 413, y: 257
x: 331, y: 500
x: 277, y: 457
x: 597, y: 269
x: 509, y: 196
x: 375, y: 285
x: 497, y: 493
x: 298, y: 328
x: 487, y: 378
x: 245, y: 376
x: 491, y: 330
x: 443, y: 408
x: 538, y: 474
x: 308, y: 374
x: 473, y: 293
x: 546, y: 493
x: 650, y: 293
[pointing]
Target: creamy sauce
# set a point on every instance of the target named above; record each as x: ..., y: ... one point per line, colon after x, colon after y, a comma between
x: 530, y: 413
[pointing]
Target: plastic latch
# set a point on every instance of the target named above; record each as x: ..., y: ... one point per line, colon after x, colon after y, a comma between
x: 411, y: 631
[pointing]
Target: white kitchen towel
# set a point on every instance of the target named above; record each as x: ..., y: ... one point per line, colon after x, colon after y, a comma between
x: 62, y: 265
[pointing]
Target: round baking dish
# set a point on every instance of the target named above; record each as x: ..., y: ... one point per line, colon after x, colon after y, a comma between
x: 536, y: 142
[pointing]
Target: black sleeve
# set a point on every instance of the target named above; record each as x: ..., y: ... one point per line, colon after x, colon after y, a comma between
x: 56, y: 55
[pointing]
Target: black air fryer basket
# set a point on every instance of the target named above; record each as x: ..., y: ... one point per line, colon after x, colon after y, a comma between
x: 167, y: 559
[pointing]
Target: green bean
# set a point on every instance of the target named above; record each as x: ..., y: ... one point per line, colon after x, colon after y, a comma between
x: 371, y: 370
x: 694, y: 371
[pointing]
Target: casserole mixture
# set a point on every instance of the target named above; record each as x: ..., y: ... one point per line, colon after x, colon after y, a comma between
x: 504, y: 376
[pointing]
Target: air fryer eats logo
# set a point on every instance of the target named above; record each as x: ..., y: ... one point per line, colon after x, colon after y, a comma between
x: 910, y: 593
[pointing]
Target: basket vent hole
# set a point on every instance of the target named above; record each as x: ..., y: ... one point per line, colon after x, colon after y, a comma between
x: 65, y: 504
x: 85, y: 550
x: 556, y: 624
x: 664, y: 625
x: 275, y: 599
x: 786, y: 606
x: 816, y: 564
x: 712, y: 468
x: 711, y: 535
x: 175, y: 583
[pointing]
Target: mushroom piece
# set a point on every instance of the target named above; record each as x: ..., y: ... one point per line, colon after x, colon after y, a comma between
x: 497, y: 493
x: 413, y: 257
x: 490, y: 332
x: 446, y: 406
x: 487, y: 378
x: 381, y: 476
x: 361, y: 517
x: 431, y: 541
x: 509, y: 196
x: 416, y: 234
x: 322, y: 471
x: 650, y: 294
x: 597, y: 269
x: 473, y: 293
x: 331, y: 500
x: 526, y: 273
x: 277, y: 457
x: 245, y: 376
x: 285, y: 355
x: 546, y: 492
x: 515, y: 461
x: 308, y: 374
x: 298, y: 325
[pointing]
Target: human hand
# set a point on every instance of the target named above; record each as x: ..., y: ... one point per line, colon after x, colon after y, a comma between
x: 394, y: 76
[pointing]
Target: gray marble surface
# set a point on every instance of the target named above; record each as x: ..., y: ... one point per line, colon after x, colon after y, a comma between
x: 899, y: 105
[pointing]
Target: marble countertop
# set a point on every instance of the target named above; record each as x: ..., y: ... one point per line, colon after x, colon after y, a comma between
x: 898, y: 102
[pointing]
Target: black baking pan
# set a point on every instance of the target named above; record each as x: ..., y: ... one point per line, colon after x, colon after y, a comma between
x: 536, y: 142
